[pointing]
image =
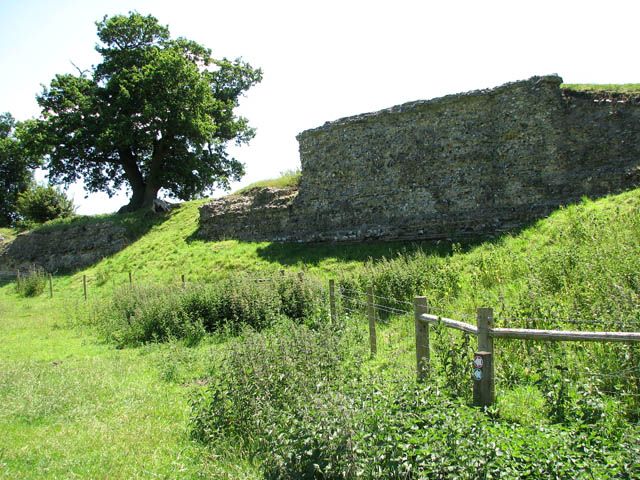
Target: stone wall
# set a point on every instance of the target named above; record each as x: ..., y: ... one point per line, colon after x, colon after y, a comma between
x: 468, y: 164
x: 259, y: 214
x: 63, y: 248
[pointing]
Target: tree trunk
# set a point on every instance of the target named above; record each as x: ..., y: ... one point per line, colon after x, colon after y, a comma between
x: 150, y: 196
x: 152, y: 182
x: 135, y: 179
x: 144, y: 192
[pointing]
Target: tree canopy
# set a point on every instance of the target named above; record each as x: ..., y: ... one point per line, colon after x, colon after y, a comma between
x: 156, y: 113
x: 16, y: 167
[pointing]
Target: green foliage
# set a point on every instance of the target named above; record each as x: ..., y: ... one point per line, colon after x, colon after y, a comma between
x: 7, y: 233
x: 265, y: 378
x: 32, y: 283
x: 151, y: 314
x: 40, y: 204
x: 298, y: 400
x: 70, y: 404
x: 16, y: 168
x: 301, y: 298
x: 156, y: 113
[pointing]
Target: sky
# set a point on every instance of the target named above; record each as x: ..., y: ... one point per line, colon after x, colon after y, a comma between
x: 324, y: 60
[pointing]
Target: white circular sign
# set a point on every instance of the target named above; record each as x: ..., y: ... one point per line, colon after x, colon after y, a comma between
x: 478, y: 362
x: 477, y: 374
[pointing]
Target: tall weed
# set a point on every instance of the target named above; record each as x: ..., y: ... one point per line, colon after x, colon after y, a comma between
x: 150, y: 314
x: 32, y: 283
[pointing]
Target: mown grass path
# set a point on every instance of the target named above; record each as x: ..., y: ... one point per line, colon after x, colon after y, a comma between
x: 71, y: 407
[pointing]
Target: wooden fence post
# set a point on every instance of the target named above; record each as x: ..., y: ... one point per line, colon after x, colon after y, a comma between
x: 483, y: 371
x: 420, y: 306
x: 301, y: 276
x: 371, y: 314
x: 50, y: 287
x: 130, y: 280
x: 84, y: 286
x: 332, y: 301
x: 184, y: 283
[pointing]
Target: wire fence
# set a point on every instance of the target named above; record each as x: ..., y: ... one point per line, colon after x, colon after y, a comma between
x: 609, y: 369
x: 530, y: 366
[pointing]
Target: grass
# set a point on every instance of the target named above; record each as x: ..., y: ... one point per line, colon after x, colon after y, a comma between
x: 631, y: 88
x: 170, y: 248
x: 290, y: 178
x: 7, y: 233
x: 73, y: 406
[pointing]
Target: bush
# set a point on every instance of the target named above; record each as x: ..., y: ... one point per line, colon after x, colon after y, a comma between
x: 300, y: 402
x: 32, y: 284
x: 43, y: 203
x: 268, y: 380
x: 301, y: 299
x: 151, y: 314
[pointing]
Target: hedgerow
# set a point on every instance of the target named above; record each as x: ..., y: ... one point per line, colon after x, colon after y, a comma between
x: 142, y: 314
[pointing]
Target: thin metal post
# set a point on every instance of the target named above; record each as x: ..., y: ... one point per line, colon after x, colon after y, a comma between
x: 332, y: 301
x: 371, y: 314
x: 420, y: 306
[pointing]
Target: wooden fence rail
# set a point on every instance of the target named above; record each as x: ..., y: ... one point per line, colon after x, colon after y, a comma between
x: 483, y: 373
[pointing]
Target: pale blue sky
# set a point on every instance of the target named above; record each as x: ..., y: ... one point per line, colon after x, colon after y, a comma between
x: 324, y: 60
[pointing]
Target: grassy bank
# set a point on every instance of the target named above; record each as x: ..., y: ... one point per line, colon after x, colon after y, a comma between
x: 631, y: 88
x: 169, y: 404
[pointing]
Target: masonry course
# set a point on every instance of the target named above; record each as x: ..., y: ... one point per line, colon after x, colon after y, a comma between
x: 476, y: 163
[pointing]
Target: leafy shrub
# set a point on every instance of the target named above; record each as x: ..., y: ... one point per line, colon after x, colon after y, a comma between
x: 145, y: 314
x: 151, y: 314
x: 301, y: 299
x: 278, y: 379
x: 32, y: 283
x: 299, y: 401
x: 43, y: 203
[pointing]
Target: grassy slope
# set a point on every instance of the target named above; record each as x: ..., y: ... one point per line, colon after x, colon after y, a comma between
x: 70, y: 405
x: 170, y: 249
x: 596, y: 87
x: 290, y: 178
x: 7, y: 233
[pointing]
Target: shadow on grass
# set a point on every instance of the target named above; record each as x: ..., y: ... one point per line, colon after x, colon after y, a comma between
x: 287, y: 254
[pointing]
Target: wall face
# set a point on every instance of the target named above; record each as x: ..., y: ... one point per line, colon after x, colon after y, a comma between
x: 467, y: 164
x: 260, y: 214
x: 63, y: 249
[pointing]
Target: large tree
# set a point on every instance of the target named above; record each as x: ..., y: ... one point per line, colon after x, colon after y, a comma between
x: 156, y: 113
x: 16, y: 167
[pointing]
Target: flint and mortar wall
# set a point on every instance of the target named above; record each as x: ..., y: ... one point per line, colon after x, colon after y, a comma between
x: 467, y: 164
x: 64, y: 248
